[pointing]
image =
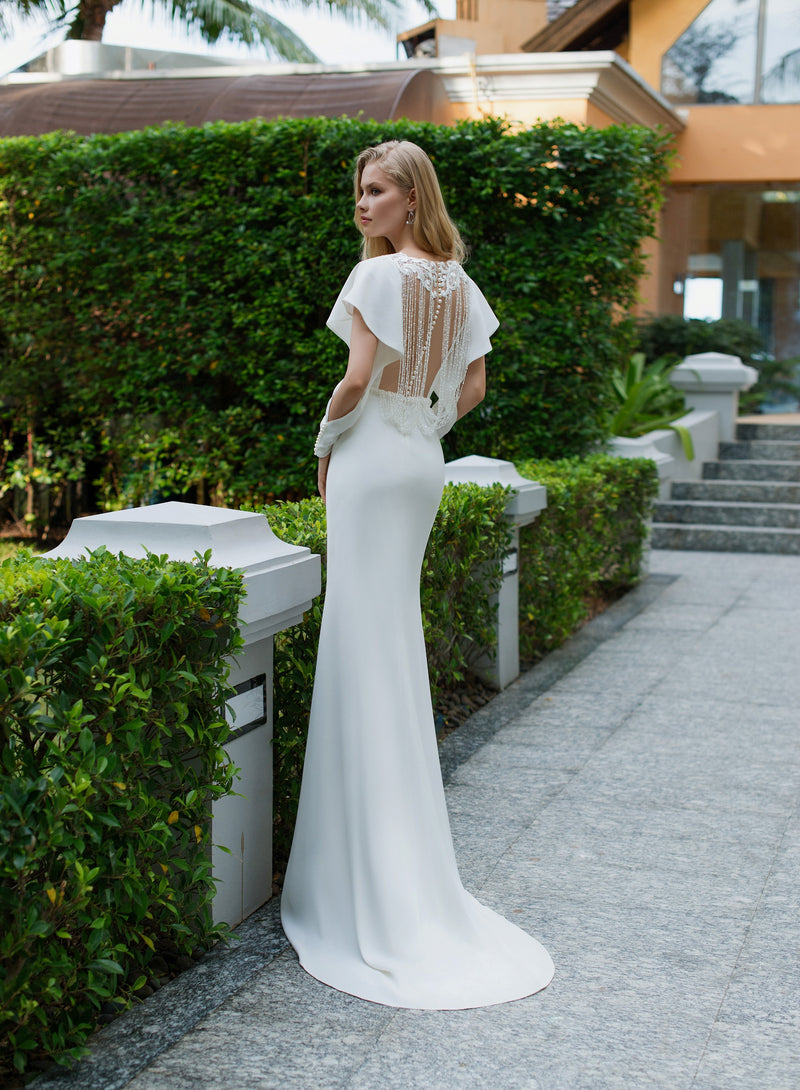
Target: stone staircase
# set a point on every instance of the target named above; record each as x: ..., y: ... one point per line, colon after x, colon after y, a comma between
x: 747, y: 502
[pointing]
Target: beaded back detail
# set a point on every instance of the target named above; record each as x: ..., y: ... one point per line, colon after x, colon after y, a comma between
x: 435, y: 339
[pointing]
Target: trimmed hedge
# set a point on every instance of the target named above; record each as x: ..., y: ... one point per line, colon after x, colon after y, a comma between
x: 462, y: 567
x: 163, y: 295
x: 112, y: 681
x: 585, y: 547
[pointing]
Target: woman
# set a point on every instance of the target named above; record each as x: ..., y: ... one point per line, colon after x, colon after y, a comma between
x: 372, y: 900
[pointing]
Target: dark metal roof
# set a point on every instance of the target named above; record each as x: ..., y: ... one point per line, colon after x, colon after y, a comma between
x: 120, y: 105
x: 587, y: 25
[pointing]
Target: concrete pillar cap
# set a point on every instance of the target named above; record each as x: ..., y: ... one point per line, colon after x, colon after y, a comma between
x: 281, y: 579
x: 713, y: 372
x: 528, y: 499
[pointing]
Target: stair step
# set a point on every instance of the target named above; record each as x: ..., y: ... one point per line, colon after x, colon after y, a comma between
x: 751, y: 471
x: 732, y: 539
x: 769, y: 431
x: 779, y: 515
x: 764, y: 450
x: 736, y: 491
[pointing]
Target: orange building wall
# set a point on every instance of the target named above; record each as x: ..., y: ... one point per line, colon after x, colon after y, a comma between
x: 739, y: 144
x: 654, y: 26
x: 577, y: 110
x: 489, y: 26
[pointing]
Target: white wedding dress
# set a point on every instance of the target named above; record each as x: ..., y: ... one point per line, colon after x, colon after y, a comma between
x: 372, y: 900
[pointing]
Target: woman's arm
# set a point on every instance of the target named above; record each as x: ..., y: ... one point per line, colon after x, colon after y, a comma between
x: 322, y: 475
x: 363, y: 346
x: 474, y: 389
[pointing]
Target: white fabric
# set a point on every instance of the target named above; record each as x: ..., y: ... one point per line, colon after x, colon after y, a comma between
x: 372, y: 900
x: 379, y: 289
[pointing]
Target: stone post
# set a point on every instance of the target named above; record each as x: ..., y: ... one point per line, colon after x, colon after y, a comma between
x: 524, y: 505
x: 711, y: 382
x: 280, y: 581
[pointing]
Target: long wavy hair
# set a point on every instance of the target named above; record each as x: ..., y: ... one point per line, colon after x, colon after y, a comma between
x: 410, y: 168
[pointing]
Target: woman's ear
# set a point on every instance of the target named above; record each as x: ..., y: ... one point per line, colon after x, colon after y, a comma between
x: 412, y: 199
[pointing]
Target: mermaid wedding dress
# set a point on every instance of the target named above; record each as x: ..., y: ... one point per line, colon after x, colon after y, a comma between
x: 372, y: 900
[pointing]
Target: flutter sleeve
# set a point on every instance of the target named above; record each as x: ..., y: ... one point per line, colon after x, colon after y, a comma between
x: 483, y: 324
x: 373, y: 289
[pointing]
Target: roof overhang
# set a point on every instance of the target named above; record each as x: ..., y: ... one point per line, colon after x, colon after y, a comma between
x: 602, y: 78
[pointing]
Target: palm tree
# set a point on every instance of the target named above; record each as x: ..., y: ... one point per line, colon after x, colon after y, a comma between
x: 241, y: 20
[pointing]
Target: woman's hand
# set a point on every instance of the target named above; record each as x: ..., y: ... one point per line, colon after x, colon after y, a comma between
x: 322, y: 475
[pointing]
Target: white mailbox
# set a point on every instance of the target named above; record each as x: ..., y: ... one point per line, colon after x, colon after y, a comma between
x: 524, y: 505
x: 280, y: 582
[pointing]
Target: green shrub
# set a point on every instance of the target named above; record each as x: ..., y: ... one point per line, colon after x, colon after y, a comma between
x: 676, y: 337
x: 646, y: 400
x: 163, y: 296
x: 586, y: 545
x: 461, y: 570
x: 673, y: 336
x: 111, y: 687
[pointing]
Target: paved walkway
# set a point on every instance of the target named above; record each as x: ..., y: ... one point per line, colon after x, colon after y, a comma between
x: 632, y: 801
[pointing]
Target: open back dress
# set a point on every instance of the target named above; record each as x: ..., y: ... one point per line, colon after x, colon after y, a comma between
x: 372, y: 899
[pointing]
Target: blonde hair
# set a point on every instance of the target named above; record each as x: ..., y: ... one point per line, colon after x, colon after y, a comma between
x: 410, y: 168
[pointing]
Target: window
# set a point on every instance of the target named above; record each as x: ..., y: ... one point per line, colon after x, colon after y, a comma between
x: 737, y: 51
x: 733, y: 251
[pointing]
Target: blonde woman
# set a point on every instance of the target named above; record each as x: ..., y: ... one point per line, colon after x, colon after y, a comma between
x: 372, y: 901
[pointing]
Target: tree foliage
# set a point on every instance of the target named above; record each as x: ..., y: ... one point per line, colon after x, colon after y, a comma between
x: 237, y: 20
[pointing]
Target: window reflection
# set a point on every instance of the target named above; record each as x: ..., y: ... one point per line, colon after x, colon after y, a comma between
x: 733, y: 251
x: 737, y: 51
x: 781, y: 67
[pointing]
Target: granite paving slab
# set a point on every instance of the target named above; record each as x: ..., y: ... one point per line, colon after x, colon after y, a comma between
x: 632, y: 802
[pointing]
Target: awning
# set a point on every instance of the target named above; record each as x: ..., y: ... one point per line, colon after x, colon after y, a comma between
x: 121, y: 105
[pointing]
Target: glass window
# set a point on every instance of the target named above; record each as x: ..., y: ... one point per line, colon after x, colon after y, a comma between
x: 736, y: 51
x: 780, y: 81
x: 733, y: 251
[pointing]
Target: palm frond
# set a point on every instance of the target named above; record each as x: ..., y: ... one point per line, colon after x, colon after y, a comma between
x: 252, y: 25
x: 241, y: 21
x: 57, y: 11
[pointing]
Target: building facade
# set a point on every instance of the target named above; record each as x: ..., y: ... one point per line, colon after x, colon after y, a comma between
x: 728, y: 72
x: 722, y: 75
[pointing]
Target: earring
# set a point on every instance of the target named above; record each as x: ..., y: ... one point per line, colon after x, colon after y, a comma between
x: 411, y: 214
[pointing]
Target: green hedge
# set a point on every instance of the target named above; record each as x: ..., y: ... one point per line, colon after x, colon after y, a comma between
x: 462, y: 566
x: 585, y: 547
x: 111, y: 684
x: 163, y: 296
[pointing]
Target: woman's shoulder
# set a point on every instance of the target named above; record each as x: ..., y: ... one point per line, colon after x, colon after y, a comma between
x: 370, y: 268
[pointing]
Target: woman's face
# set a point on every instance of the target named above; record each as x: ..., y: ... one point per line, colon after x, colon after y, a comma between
x: 383, y: 206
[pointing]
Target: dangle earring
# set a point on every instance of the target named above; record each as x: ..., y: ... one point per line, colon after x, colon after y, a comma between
x: 411, y: 214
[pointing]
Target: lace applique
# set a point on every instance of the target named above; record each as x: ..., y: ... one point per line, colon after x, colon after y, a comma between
x: 436, y: 334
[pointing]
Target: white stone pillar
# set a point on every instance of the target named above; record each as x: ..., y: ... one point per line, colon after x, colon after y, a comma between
x: 280, y: 582
x: 711, y: 382
x: 524, y: 505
